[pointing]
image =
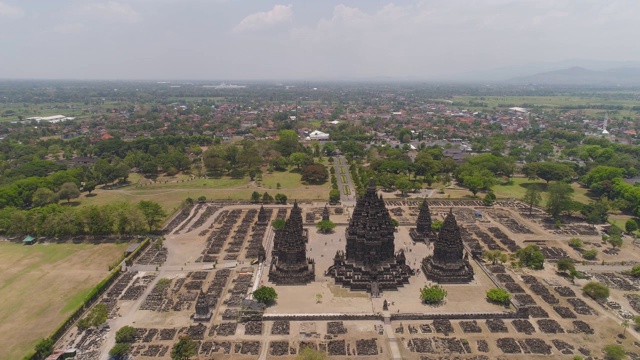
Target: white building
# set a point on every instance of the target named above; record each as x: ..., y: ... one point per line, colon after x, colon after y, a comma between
x: 318, y: 135
x: 51, y: 119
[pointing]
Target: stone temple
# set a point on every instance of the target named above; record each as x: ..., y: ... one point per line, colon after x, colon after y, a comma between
x: 449, y: 264
x: 370, y: 262
x: 289, y: 262
x: 423, y: 232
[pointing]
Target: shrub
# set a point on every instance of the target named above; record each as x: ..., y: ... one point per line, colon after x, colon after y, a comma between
x: 576, y: 243
x: 498, y: 295
x: 596, y: 290
x: 614, y: 352
x: 126, y: 334
x: 590, y: 254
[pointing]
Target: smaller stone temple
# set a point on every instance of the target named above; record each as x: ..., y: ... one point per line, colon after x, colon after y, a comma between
x: 263, y: 216
x: 203, y: 310
x: 449, y: 263
x: 289, y: 262
x: 423, y: 231
x: 325, y: 214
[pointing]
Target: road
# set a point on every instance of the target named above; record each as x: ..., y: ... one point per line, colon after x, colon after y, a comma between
x: 342, y: 171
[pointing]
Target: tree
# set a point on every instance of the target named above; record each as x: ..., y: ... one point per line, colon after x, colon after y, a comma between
x: 255, y: 197
x: 566, y: 265
x: 265, y: 294
x: 635, y: 271
x: 477, y: 179
x: 531, y: 257
x: 631, y: 226
x: 334, y: 196
x: 614, y: 352
x: 42, y: 197
x: 315, y: 174
x: 433, y: 294
x: 184, y: 349
x: 153, y: 213
x: 532, y: 197
x: 287, y: 142
x: 278, y: 224
x: 89, y: 186
x: 300, y: 159
x: 559, y: 199
x: 576, y: 243
x: 615, y: 241
x: 126, y: 334
x: 489, y: 198
x: 325, y: 226
x: 437, y: 225
x: 590, y: 254
x: 403, y: 185
x: 281, y: 199
x: 309, y: 353
x: 499, y: 295
x: 266, y: 198
x: 44, y: 348
x: 202, y: 199
x: 120, y: 350
x: 596, y: 212
x: 69, y: 191
x: 494, y: 256
x: 596, y: 290
x: 548, y: 171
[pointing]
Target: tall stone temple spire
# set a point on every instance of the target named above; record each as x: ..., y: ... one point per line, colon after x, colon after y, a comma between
x: 423, y: 232
x: 449, y: 263
x: 290, y: 265
x: 369, y: 262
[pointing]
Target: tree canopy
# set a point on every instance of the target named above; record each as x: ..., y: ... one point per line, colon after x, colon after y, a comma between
x: 433, y: 294
x: 265, y: 294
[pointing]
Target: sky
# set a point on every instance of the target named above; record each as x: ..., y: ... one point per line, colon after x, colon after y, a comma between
x: 305, y: 40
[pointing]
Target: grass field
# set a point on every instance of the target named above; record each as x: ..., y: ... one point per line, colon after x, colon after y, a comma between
x: 41, y: 285
x: 172, y: 194
x: 517, y: 189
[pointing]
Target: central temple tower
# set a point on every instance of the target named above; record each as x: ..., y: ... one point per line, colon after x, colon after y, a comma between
x: 369, y: 261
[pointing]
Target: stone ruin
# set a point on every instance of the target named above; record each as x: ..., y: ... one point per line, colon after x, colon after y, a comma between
x: 449, y: 264
x: 423, y: 231
x: 203, y: 310
x: 290, y: 265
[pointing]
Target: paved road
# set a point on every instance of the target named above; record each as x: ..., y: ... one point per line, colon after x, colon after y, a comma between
x: 341, y: 163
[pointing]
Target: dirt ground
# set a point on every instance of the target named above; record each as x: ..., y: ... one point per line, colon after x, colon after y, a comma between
x: 40, y: 285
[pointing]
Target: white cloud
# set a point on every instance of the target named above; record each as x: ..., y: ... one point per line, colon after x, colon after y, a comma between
x: 260, y: 20
x: 67, y: 28
x: 10, y: 10
x: 114, y: 9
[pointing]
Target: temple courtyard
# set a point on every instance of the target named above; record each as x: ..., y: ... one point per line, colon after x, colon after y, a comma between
x: 207, y: 267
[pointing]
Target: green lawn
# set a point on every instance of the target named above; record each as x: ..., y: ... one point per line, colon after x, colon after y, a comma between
x: 520, y: 185
x: 287, y: 180
x: 41, y: 285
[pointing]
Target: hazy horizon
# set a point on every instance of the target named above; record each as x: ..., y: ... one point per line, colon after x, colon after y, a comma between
x: 359, y: 40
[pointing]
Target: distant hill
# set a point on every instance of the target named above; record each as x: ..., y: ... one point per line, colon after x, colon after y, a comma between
x: 507, y: 73
x: 581, y: 76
